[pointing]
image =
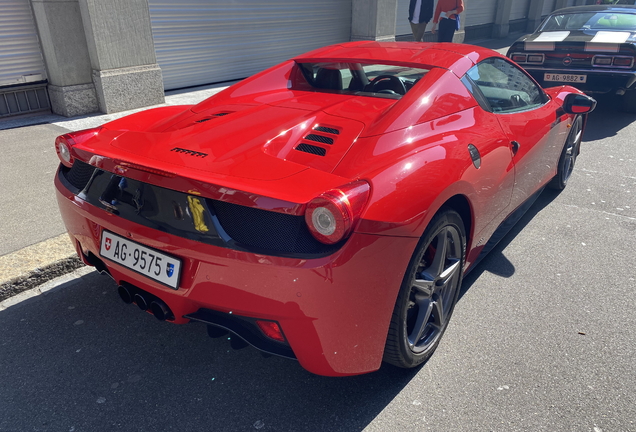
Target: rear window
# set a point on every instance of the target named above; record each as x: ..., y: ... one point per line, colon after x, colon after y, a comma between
x: 365, y: 79
x: 590, y: 21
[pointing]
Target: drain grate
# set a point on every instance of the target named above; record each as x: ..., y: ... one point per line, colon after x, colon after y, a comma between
x: 22, y: 100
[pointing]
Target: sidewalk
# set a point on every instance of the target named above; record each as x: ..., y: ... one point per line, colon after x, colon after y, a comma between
x: 34, y: 246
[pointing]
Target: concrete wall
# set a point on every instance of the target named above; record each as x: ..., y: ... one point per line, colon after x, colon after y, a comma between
x: 373, y: 20
x: 99, y: 54
x: 65, y: 53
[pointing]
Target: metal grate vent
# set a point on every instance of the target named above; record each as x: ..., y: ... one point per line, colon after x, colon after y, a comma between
x: 79, y: 175
x: 319, y: 138
x: 327, y: 130
x: 23, y: 100
x: 308, y: 148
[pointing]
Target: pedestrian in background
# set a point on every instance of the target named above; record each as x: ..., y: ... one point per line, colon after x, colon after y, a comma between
x: 420, y: 13
x: 447, y: 15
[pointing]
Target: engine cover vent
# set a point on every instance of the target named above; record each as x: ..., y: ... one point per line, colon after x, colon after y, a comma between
x: 312, y: 149
x: 319, y: 138
x: 327, y: 130
x: 219, y: 114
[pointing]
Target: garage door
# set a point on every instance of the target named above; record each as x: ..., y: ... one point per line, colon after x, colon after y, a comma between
x: 20, y: 55
x: 548, y: 6
x: 200, y: 42
x: 402, y: 25
x: 519, y: 9
x: 478, y: 12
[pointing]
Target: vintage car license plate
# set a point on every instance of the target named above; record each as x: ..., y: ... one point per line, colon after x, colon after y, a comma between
x: 149, y: 262
x: 565, y: 78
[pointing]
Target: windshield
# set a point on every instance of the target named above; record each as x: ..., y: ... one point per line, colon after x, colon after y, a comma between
x: 365, y: 79
x: 591, y: 21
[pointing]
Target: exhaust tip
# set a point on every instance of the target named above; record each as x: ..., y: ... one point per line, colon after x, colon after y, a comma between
x: 161, y: 311
x: 124, y: 294
x: 141, y: 302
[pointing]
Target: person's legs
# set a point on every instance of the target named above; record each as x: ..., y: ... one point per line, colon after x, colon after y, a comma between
x: 446, y: 30
x: 418, y: 31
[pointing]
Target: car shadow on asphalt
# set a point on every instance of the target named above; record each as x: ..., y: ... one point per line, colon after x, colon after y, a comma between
x: 495, y: 261
x: 78, y: 358
x: 607, y: 119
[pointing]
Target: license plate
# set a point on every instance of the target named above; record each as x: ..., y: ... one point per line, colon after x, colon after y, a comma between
x: 565, y: 78
x: 149, y: 262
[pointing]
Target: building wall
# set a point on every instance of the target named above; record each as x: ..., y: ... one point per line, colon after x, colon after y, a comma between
x: 108, y: 55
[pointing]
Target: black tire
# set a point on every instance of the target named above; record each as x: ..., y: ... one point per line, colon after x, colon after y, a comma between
x: 571, y: 150
x: 428, y: 293
x: 628, y: 101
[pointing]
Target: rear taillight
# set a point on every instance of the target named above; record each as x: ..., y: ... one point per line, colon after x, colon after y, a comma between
x: 332, y: 216
x: 64, y: 144
x: 519, y: 58
x: 623, y: 61
x: 535, y: 58
x: 602, y: 61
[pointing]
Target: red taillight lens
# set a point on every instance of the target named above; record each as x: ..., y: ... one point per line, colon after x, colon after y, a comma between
x: 519, y: 58
x: 64, y: 144
x: 332, y: 215
x: 623, y: 61
x: 271, y: 329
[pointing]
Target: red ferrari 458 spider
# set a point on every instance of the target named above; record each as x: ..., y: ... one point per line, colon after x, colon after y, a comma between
x: 327, y: 208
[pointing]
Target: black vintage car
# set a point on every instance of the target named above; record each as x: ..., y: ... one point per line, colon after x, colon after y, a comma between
x: 589, y: 47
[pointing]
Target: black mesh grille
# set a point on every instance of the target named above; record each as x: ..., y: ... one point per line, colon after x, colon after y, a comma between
x: 79, y: 174
x: 221, y: 114
x: 327, y: 130
x: 319, y: 138
x: 308, y: 148
x: 267, y: 230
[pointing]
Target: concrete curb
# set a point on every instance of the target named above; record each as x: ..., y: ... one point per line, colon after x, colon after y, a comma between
x: 36, y: 264
x: 45, y: 287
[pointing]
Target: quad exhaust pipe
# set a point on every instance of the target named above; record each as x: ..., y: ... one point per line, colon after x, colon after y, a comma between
x: 145, y: 301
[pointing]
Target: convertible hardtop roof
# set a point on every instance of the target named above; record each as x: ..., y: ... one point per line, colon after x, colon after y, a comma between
x: 596, y: 8
x: 455, y: 57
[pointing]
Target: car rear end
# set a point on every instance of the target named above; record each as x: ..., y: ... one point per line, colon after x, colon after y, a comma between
x: 590, y: 47
x: 291, y: 278
x: 589, y: 68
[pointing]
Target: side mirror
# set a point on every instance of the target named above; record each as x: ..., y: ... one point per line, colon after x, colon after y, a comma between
x: 578, y: 104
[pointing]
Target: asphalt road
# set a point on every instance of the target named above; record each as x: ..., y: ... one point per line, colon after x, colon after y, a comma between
x: 542, y: 339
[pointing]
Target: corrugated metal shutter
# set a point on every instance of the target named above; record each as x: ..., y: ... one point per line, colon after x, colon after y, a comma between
x: 519, y: 9
x: 402, y: 25
x: 20, y: 54
x: 477, y: 12
x: 548, y: 6
x: 200, y: 42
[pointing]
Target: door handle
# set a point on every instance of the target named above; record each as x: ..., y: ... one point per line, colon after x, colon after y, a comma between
x: 514, y: 145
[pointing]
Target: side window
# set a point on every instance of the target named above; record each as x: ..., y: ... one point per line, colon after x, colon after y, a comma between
x: 506, y: 87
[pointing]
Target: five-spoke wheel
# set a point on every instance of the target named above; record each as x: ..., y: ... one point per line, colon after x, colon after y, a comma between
x: 429, y: 292
x: 569, y: 154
